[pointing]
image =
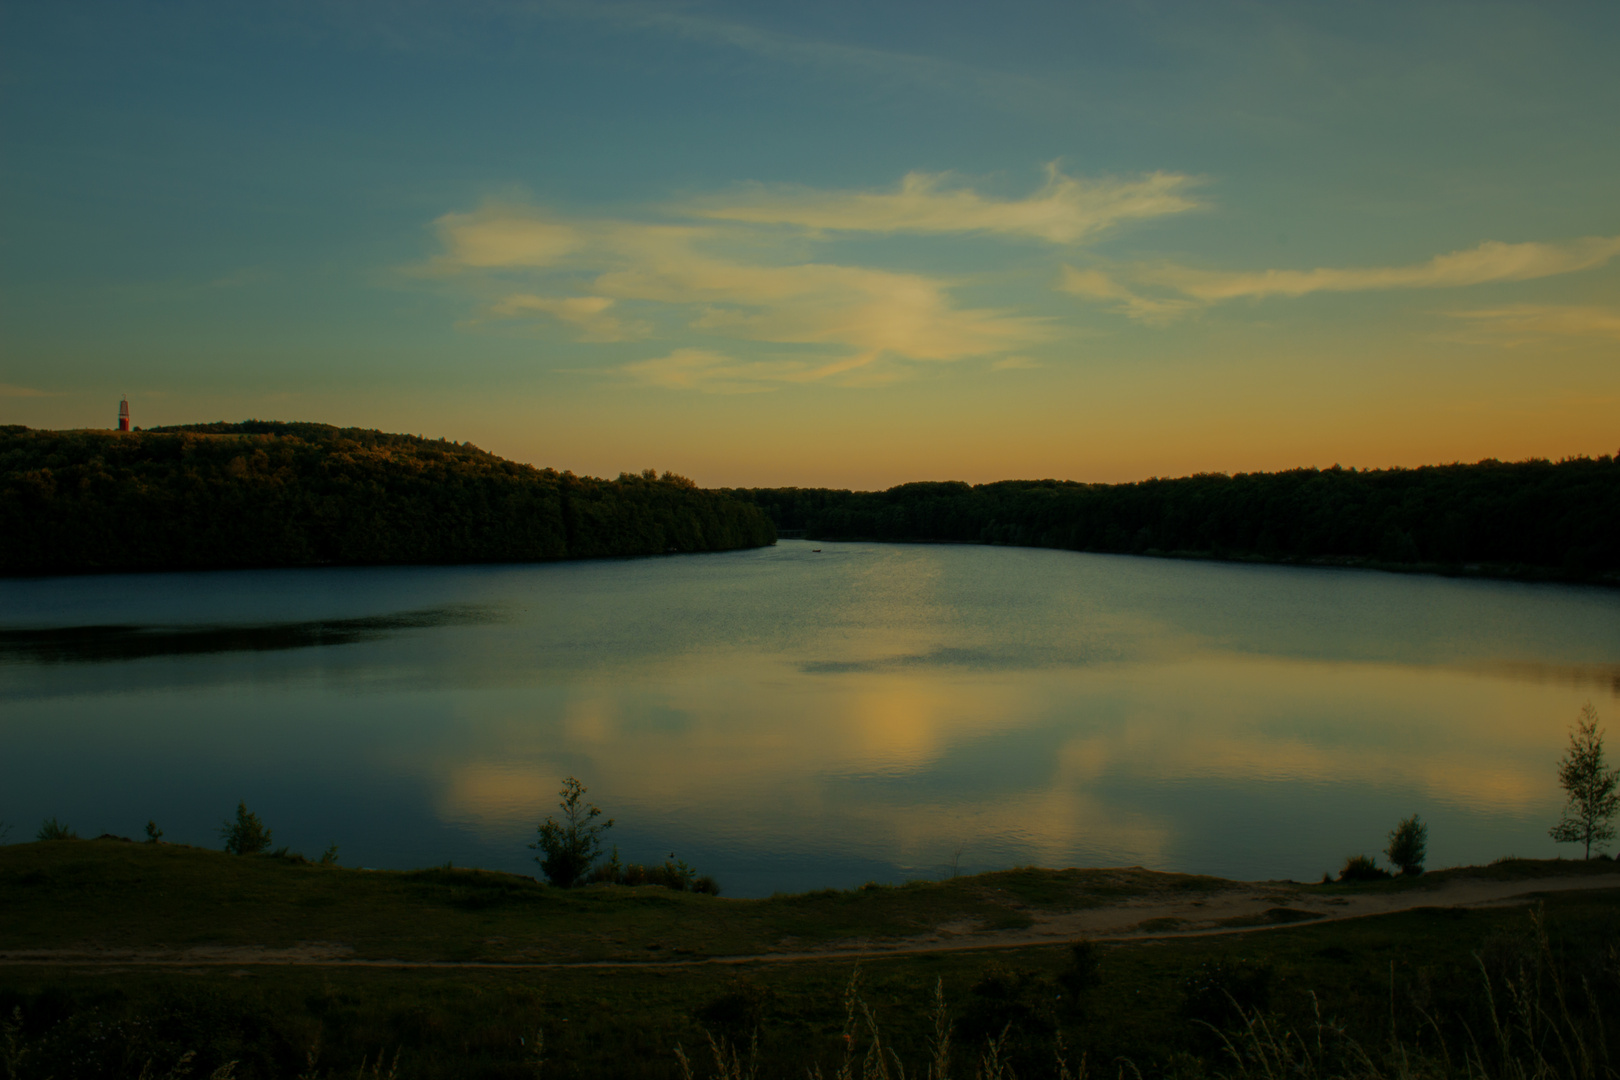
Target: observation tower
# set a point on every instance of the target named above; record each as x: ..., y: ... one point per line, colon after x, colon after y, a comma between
x: 123, y: 414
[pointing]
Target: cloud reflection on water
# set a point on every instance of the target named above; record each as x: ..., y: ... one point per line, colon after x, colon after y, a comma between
x: 793, y: 720
x: 1102, y: 764
x: 115, y: 642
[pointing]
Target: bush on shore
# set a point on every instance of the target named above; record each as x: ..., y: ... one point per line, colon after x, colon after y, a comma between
x: 1363, y: 868
x: 672, y: 874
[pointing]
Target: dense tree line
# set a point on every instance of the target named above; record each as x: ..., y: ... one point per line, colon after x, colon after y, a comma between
x: 1532, y: 517
x: 273, y: 494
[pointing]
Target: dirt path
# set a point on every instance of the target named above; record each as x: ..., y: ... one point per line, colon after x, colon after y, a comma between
x: 1243, y: 908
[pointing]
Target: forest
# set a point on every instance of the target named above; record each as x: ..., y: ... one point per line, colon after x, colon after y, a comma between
x: 264, y: 493
x: 1529, y: 518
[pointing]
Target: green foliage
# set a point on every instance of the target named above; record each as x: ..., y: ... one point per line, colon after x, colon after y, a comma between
x: 1593, y: 797
x: 572, y: 845
x: 272, y: 494
x: 51, y: 829
x: 1362, y: 868
x: 153, y: 833
x: 1559, y: 519
x: 329, y: 857
x: 672, y: 874
x: 246, y: 835
x: 1408, y: 845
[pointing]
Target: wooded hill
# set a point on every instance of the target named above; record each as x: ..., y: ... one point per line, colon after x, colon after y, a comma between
x: 1529, y: 518
x: 263, y: 493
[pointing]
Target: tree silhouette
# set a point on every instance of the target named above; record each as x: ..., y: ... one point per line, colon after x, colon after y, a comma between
x: 1591, y: 786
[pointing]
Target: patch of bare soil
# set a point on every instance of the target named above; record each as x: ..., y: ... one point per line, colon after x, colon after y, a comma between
x: 1242, y: 907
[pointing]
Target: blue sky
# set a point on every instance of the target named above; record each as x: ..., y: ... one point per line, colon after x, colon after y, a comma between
x: 825, y: 244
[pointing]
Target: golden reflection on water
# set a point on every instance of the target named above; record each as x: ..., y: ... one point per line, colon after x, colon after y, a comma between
x: 804, y: 718
x: 895, y: 762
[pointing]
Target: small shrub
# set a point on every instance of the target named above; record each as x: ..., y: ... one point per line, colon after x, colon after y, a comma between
x: 51, y: 829
x: 329, y: 857
x: 1408, y: 843
x: 573, y: 845
x: 1362, y: 868
x: 153, y: 833
x: 674, y: 875
x: 246, y: 835
x: 609, y: 873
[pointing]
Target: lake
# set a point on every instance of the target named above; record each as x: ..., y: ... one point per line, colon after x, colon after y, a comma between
x: 788, y: 719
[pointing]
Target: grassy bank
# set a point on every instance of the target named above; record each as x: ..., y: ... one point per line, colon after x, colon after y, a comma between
x: 1150, y: 1001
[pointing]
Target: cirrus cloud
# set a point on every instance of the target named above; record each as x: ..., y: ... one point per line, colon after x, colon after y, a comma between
x: 711, y: 279
x: 1156, y: 292
x: 716, y: 373
x: 1517, y: 324
x: 1065, y: 210
x: 589, y: 314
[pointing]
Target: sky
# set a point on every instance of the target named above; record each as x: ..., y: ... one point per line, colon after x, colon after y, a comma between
x: 833, y: 244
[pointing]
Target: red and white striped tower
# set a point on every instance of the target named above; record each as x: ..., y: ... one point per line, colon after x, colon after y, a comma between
x: 123, y: 414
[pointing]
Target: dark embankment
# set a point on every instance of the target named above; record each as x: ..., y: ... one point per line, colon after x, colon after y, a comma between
x: 1523, y: 519
x: 261, y: 494
x: 119, y: 959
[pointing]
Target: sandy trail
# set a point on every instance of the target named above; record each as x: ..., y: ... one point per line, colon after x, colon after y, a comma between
x: 1245, y: 907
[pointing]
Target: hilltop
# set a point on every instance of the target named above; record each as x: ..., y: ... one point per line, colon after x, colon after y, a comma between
x: 263, y: 493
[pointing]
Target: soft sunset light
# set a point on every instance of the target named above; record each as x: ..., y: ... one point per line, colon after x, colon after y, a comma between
x: 702, y: 538
x: 765, y: 246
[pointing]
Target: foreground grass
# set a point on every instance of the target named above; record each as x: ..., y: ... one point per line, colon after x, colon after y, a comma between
x: 123, y: 895
x: 110, y: 894
x: 1417, y: 975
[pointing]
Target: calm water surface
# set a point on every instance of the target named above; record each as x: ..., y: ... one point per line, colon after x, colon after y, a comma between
x: 786, y: 719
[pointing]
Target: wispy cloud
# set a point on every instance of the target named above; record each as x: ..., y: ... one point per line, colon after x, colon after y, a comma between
x: 588, y: 314
x: 1095, y: 284
x: 716, y: 373
x: 1015, y: 363
x: 856, y: 315
x: 833, y: 57
x: 503, y: 235
x: 1063, y: 211
x: 8, y: 390
x: 1520, y: 324
x: 1150, y: 292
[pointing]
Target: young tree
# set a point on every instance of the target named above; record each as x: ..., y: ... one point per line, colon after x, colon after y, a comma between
x: 1591, y: 786
x: 52, y: 829
x: 1408, y: 843
x: 572, y: 846
x: 246, y: 835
